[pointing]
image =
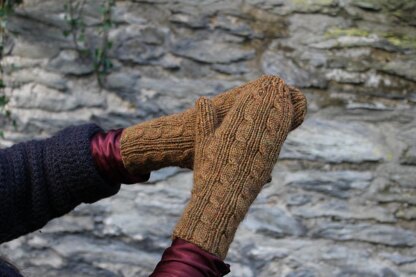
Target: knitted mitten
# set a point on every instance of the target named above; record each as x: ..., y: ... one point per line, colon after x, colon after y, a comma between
x: 233, y: 162
x: 169, y: 140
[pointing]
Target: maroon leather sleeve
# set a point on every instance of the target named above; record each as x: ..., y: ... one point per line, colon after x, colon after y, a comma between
x: 105, y: 148
x: 184, y: 259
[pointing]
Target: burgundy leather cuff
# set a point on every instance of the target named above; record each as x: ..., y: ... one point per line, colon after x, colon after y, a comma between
x: 185, y: 259
x: 105, y: 148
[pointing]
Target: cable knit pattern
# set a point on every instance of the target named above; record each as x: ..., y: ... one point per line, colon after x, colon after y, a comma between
x: 234, y: 161
x: 41, y: 180
x: 169, y: 140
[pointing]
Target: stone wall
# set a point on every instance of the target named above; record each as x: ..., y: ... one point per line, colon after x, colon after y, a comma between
x: 343, y: 197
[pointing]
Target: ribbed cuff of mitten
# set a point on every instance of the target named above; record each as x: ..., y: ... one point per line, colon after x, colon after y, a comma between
x: 68, y: 155
x: 197, y: 228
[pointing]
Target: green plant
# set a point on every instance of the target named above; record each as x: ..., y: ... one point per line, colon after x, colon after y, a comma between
x: 98, y: 54
x: 6, y: 9
x: 73, y: 17
x: 74, y: 10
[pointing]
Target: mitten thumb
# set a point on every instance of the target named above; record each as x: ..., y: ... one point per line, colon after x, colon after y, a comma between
x: 299, y: 107
x: 206, y: 120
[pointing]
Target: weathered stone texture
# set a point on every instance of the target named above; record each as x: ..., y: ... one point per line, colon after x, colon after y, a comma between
x: 342, y: 201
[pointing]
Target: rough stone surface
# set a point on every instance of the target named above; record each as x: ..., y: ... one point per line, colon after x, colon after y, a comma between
x: 342, y: 201
x: 211, y: 52
x: 334, y: 141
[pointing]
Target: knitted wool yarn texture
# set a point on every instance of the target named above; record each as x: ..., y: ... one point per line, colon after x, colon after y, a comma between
x: 233, y: 162
x: 169, y: 140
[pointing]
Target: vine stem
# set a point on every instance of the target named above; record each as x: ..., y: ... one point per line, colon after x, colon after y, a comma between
x: 99, y: 53
x: 3, y: 21
x: 75, y: 18
x: 103, y: 53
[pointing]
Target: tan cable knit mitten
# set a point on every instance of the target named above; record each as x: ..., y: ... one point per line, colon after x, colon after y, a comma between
x: 233, y: 162
x: 169, y: 140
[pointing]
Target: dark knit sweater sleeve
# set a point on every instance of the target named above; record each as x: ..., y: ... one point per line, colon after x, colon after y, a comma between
x: 42, y: 180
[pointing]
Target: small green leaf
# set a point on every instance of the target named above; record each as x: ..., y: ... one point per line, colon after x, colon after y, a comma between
x: 84, y: 52
x: 81, y: 37
x: 102, y: 9
x: 3, y: 101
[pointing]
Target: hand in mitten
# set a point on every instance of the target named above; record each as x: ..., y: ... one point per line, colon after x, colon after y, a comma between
x: 169, y: 140
x: 234, y: 160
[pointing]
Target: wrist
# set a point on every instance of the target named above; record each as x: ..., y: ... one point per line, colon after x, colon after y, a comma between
x: 105, y: 148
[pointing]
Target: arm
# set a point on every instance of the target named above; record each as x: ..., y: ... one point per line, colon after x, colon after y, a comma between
x: 232, y: 161
x: 42, y: 180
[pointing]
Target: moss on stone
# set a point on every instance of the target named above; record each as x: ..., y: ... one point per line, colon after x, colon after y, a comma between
x: 402, y: 41
x: 352, y: 32
x: 399, y: 40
